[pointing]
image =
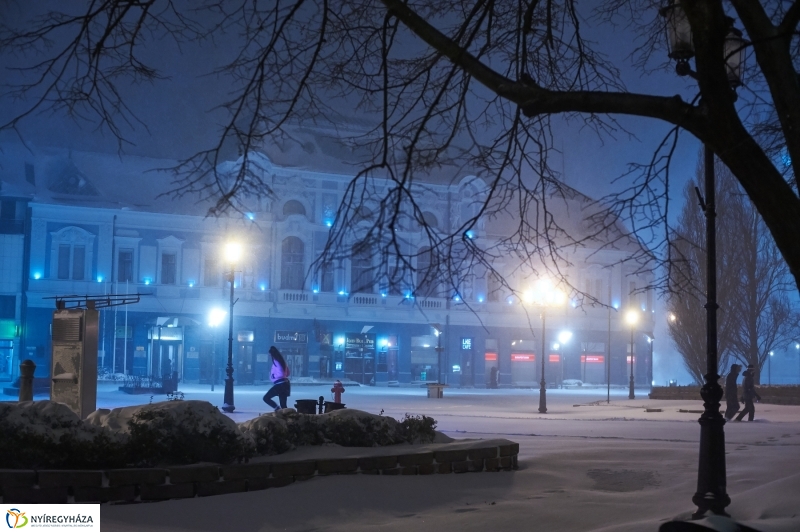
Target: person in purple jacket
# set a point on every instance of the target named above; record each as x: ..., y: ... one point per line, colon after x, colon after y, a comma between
x: 279, y: 375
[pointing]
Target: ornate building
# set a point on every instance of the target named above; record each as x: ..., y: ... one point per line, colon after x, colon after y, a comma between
x: 95, y: 224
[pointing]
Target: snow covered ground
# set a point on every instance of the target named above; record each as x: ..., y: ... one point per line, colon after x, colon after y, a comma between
x: 593, y: 467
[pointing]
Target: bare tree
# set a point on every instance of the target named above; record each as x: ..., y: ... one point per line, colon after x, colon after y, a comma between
x: 755, y: 315
x: 450, y: 84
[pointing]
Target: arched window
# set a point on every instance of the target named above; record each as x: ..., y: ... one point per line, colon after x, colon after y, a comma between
x: 293, y: 207
x: 292, y: 263
x: 426, y: 274
x: 362, y: 214
x: 361, y: 274
x: 430, y: 220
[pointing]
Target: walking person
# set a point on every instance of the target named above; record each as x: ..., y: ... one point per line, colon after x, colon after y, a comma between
x: 279, y: 375
x: 732, y: 392
x: 749, y: 394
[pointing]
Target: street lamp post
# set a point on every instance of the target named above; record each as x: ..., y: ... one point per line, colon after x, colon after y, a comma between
x: 711, y: 491
x: 544, y: 294
x: 563, y: 338
x: 650, y: 340
x: 214, y: 319
x: 632, y: 318
x: 233, y: 251
x: 769, y: 369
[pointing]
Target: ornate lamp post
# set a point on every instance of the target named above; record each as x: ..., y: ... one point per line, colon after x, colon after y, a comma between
x: 711, y: 476
x: 544, y: 294
x: 631, y: 318
x: 233, y: 252
x: 214, y: 319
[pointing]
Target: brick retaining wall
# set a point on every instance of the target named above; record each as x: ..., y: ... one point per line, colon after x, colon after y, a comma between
x: 771, y: 395
x: 202, y: 480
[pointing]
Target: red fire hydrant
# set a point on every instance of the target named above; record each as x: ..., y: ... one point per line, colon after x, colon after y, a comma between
x: 337, y: 390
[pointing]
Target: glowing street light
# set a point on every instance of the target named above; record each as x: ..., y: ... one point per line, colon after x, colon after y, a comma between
x: 631, y: 318
x: 545, y: 294
x: 233, y: 252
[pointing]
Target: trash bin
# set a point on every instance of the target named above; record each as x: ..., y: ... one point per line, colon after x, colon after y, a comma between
x: 330, y: 405
x: 306, y: 406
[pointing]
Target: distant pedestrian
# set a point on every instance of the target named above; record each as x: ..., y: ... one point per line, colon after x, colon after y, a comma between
x: 732, y: 392
x: 493, y: 377
x: 279, y: 375
x: 749, y: 394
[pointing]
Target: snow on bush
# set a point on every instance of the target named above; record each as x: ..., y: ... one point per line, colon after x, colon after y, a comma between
x: 45, y: 434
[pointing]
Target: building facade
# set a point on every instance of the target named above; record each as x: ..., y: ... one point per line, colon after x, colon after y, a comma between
x: 91, y: 224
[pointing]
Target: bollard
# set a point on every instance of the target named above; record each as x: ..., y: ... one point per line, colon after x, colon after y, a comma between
x: 320, y: 404
x: 26, y: 370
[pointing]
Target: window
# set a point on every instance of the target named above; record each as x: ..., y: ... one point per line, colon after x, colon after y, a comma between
x: 361, y: 270
x: 326, y: 277
x: 71, y: 254
x: 125, y: 266
x: 211, y: 272
x: 495, y: 288
x: 426, y: 275
x: 430, y: 220
x: 293, y: 207
x: 169, y: 265
x: 8, y: 307
x: 64, y: 251
x: 78, y: 263
x: 292, y: 263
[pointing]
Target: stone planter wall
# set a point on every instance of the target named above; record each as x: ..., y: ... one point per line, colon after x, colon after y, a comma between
x: 771, y: 395
x: 202, y: 480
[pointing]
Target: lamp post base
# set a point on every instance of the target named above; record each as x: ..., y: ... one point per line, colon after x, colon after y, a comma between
x: 227, y: 405
x: 711, y: 492
x: 631, y: 395
x: 542, y: 398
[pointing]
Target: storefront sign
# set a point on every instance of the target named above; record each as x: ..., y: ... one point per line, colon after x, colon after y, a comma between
x: 592, y: 359
x: 291, y: 337
x: 355, y: 344
x: 555, y: 358
x: 466, y: 344
x: 516, y: 357
x: 245, y: 336
x: 629, y: 359
x: 490, y: 356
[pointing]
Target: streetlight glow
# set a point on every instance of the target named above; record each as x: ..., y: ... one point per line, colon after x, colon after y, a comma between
x: 564, y: 337
x: 233, y: 252
x: 215, y: 316
x: 632, y: 317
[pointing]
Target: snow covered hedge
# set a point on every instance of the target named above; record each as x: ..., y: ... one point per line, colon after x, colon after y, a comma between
x: 44, y: 434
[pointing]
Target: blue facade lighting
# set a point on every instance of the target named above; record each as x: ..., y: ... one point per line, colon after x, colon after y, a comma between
x: 262, y: 286
x: 37, y: 275
x: 315, y: 290
x: 328, y: 223
x: 342, y: 292
x: 147, y: 280
x: 251, y: 216
x: 191, y: 284
x: 470, y: 234
x: 480, y: 299
x: 99, y: 278
x: 383, y: 294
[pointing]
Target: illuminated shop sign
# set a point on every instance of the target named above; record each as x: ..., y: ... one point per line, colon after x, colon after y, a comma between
x: 517, y: 357
x: 466, y: 344
x: 593, y: 359
x: 490, y: 356
x: 292, y: 337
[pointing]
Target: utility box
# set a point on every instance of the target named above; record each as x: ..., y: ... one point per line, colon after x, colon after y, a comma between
x: 74, y: 360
